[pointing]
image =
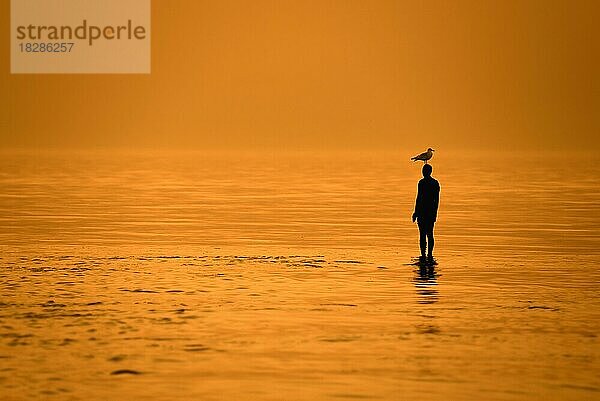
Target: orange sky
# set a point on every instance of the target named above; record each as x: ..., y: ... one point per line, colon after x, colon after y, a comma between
x: 332, y: 74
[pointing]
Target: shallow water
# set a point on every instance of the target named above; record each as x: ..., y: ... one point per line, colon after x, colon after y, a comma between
x: 268, y: 276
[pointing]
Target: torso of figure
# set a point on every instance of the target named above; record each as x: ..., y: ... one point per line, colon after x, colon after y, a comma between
x: 427, y: 200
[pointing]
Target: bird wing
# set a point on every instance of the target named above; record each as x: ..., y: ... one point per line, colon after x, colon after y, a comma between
x: 420, y: 157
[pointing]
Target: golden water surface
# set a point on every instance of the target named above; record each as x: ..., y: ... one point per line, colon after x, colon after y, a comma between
x: 267, y: 276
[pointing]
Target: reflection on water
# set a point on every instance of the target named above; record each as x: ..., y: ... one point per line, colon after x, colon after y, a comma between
x: 426, y: 283
x: 215, y: 276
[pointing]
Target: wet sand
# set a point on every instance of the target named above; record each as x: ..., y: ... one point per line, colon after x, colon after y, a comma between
x: 178, y: 278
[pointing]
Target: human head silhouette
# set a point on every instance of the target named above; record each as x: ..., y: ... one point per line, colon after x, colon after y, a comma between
x: 427, y: 170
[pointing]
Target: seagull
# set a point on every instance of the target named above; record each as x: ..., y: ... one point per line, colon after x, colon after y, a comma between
x: 424, y: 156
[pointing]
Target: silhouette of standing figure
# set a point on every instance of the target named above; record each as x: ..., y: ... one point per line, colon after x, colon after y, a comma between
x: 426, y: 207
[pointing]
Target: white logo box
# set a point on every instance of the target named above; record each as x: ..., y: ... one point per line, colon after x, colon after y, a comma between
x: 80, y: 36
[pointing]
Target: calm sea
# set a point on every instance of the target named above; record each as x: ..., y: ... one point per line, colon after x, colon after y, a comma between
x: 270, y: 276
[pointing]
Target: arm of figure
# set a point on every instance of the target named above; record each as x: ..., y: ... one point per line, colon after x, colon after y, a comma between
x: 436, y: 201
x: 417, y: 203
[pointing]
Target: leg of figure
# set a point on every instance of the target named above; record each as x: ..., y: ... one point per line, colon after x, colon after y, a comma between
x: 430, y: 241
x: 422, y: 239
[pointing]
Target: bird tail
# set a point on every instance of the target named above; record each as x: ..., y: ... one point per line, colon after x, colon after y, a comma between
x: 413, y: 159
